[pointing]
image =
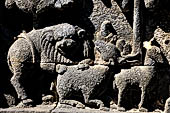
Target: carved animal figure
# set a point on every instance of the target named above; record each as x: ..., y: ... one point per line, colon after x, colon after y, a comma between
x: 158, y: 49
x: 163, y: 39
x: 138, y: 74
x: 108, y: 52
x: 45, y: 47
x: 90, y: 83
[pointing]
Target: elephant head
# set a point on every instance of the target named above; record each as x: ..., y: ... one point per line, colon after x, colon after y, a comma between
x: 64, y: 43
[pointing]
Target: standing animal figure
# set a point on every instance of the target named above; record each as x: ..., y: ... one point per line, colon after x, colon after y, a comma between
x: 141, y: 75
x: 90, y: 82
x: 45, y: 48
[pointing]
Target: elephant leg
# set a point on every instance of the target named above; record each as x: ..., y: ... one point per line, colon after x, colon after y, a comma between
x: 16, y: 81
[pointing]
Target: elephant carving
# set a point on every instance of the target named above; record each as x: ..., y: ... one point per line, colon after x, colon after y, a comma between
x: 45, y: 48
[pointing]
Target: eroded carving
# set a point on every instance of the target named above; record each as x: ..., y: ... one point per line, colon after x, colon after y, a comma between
x: 84, y: 83
x: 157, y: 48
x: 82, y: 76
x: 47, y: 47
x: 141, y: 75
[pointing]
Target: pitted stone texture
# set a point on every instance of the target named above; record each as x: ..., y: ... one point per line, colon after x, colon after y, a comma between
x: 158, y: 51
x: 110, y: 11
x: 48, y: 109
x: 89, y: 84
x: 150, y: 4
x: 163, y: 38
x: 38, y: 6
x: 37, y: 109
x: 141, y: 75
x: 45, y: 48
x: 108, y: 51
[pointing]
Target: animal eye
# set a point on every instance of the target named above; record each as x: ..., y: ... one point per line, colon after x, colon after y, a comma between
x: 167, y: 42
x: 71, y: 36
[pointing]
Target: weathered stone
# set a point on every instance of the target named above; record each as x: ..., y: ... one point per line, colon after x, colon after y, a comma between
x: 80, y: 45
x: 141, y: 75
x: 45, y: 47
x: 86, y: 81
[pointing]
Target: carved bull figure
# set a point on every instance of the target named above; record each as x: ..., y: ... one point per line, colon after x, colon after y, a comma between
x: 45, y: 48
x: 90, y: 84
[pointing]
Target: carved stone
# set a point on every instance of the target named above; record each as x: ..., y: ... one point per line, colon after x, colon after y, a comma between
x: 84, y: 55
x: 45, y: 47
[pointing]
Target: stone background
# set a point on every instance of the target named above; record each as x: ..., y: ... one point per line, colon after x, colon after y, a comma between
x: 88, y: 16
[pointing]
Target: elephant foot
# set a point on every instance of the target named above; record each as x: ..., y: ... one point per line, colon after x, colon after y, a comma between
x: 25, y: 103
x: 142, y: 109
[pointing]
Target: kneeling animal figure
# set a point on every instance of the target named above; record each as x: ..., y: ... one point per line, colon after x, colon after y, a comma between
x: 89, y: 84
x: 91, y: 81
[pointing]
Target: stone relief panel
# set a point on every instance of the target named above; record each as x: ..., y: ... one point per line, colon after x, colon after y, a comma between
x: 86, y: 54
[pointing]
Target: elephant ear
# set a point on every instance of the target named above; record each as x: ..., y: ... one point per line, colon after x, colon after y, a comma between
x: 48, y: 44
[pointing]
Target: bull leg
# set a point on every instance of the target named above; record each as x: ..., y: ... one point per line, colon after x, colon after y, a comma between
x: 16, y: 82
x: 64, y: 102
x: 99, y: 103
x: 119, y: 108
x: 143, y: 89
